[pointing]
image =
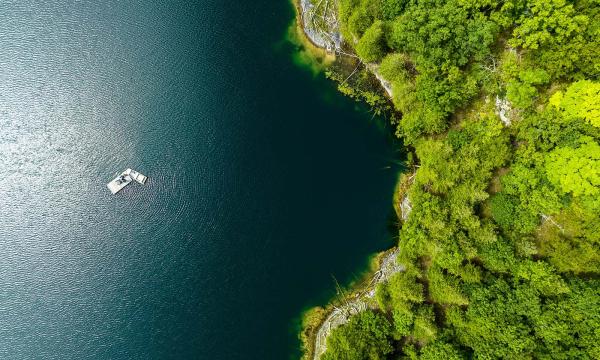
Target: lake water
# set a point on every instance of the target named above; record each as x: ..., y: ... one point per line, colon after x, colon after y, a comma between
x: 264, y: 182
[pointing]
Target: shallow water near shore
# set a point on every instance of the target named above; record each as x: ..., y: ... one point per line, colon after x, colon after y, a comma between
x: 264, y: 182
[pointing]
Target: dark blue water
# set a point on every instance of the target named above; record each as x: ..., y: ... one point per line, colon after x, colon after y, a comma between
x: 264, y: 182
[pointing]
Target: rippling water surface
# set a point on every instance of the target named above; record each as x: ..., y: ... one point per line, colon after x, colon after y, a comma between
x: 263, y: 181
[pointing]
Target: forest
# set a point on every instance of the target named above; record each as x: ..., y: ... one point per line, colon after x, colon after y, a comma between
x: 499, y: 102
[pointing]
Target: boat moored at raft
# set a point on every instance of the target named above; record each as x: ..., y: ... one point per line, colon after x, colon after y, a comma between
x: 124, y: 179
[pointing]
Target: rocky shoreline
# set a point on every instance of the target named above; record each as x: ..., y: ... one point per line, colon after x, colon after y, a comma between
x: 358, y: 301
x: 320, y: 26
x: 318, y: 21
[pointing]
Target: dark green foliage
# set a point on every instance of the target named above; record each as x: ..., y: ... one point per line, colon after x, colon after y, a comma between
x: 440, y: 37
x: 443, y: 33
x: 361, y: 85
x: 503, y: 209
x: 365, y: 337
x: 560, y: 36
x: 390, y: 9
x: 515, y: 320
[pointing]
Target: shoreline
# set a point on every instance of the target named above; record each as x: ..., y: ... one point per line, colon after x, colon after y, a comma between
x: 318, y: 322
x: 329, y: 54
x: 313, y: 317
x: 309, y: 53
x: 490, y: 215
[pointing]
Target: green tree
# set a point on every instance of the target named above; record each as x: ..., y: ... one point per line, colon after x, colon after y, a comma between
x: 571, y: 240
x: 441, y: 350
x: 513, y: 277
x: 425, y: 330
x: 581, y: 101
x: 547, y: 22
x: 576, y: 170
x: 522, y: 92
x: 400, y: 289
x: 366, y: 336
x: 371, y: 46
x: 503, y: 209
x: 403, y: 320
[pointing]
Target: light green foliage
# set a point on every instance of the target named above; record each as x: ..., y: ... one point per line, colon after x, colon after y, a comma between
x: 359, y: 22
x: 353, y: 17
x: 581, y: 101
x: 420, y: 119
x: 365, y: 337
x: 576, y: 170
x: 541, y: 277
x: 345, y: 9
x: 534, y: 77
x: 438, y: 172
x: 450, y: 182
x: 498, y: 256
x: 371, y: 46
x: 522, y: 92
x: 528, y: 185
x: 549, y: 167
x: 469, y: 273
x: 534, y: 194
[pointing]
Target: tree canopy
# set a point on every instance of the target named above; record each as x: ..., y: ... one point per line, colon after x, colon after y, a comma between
x: 365, y: 337
x: 502, y: 245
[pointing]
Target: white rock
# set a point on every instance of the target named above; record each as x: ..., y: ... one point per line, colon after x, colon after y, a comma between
x: 503, y: 110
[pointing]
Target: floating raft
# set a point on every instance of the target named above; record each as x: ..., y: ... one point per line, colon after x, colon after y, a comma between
x: 125, y: 179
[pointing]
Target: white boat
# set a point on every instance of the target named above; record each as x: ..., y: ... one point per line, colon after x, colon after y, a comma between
x: 136, y: 176
x: 124, y: 179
